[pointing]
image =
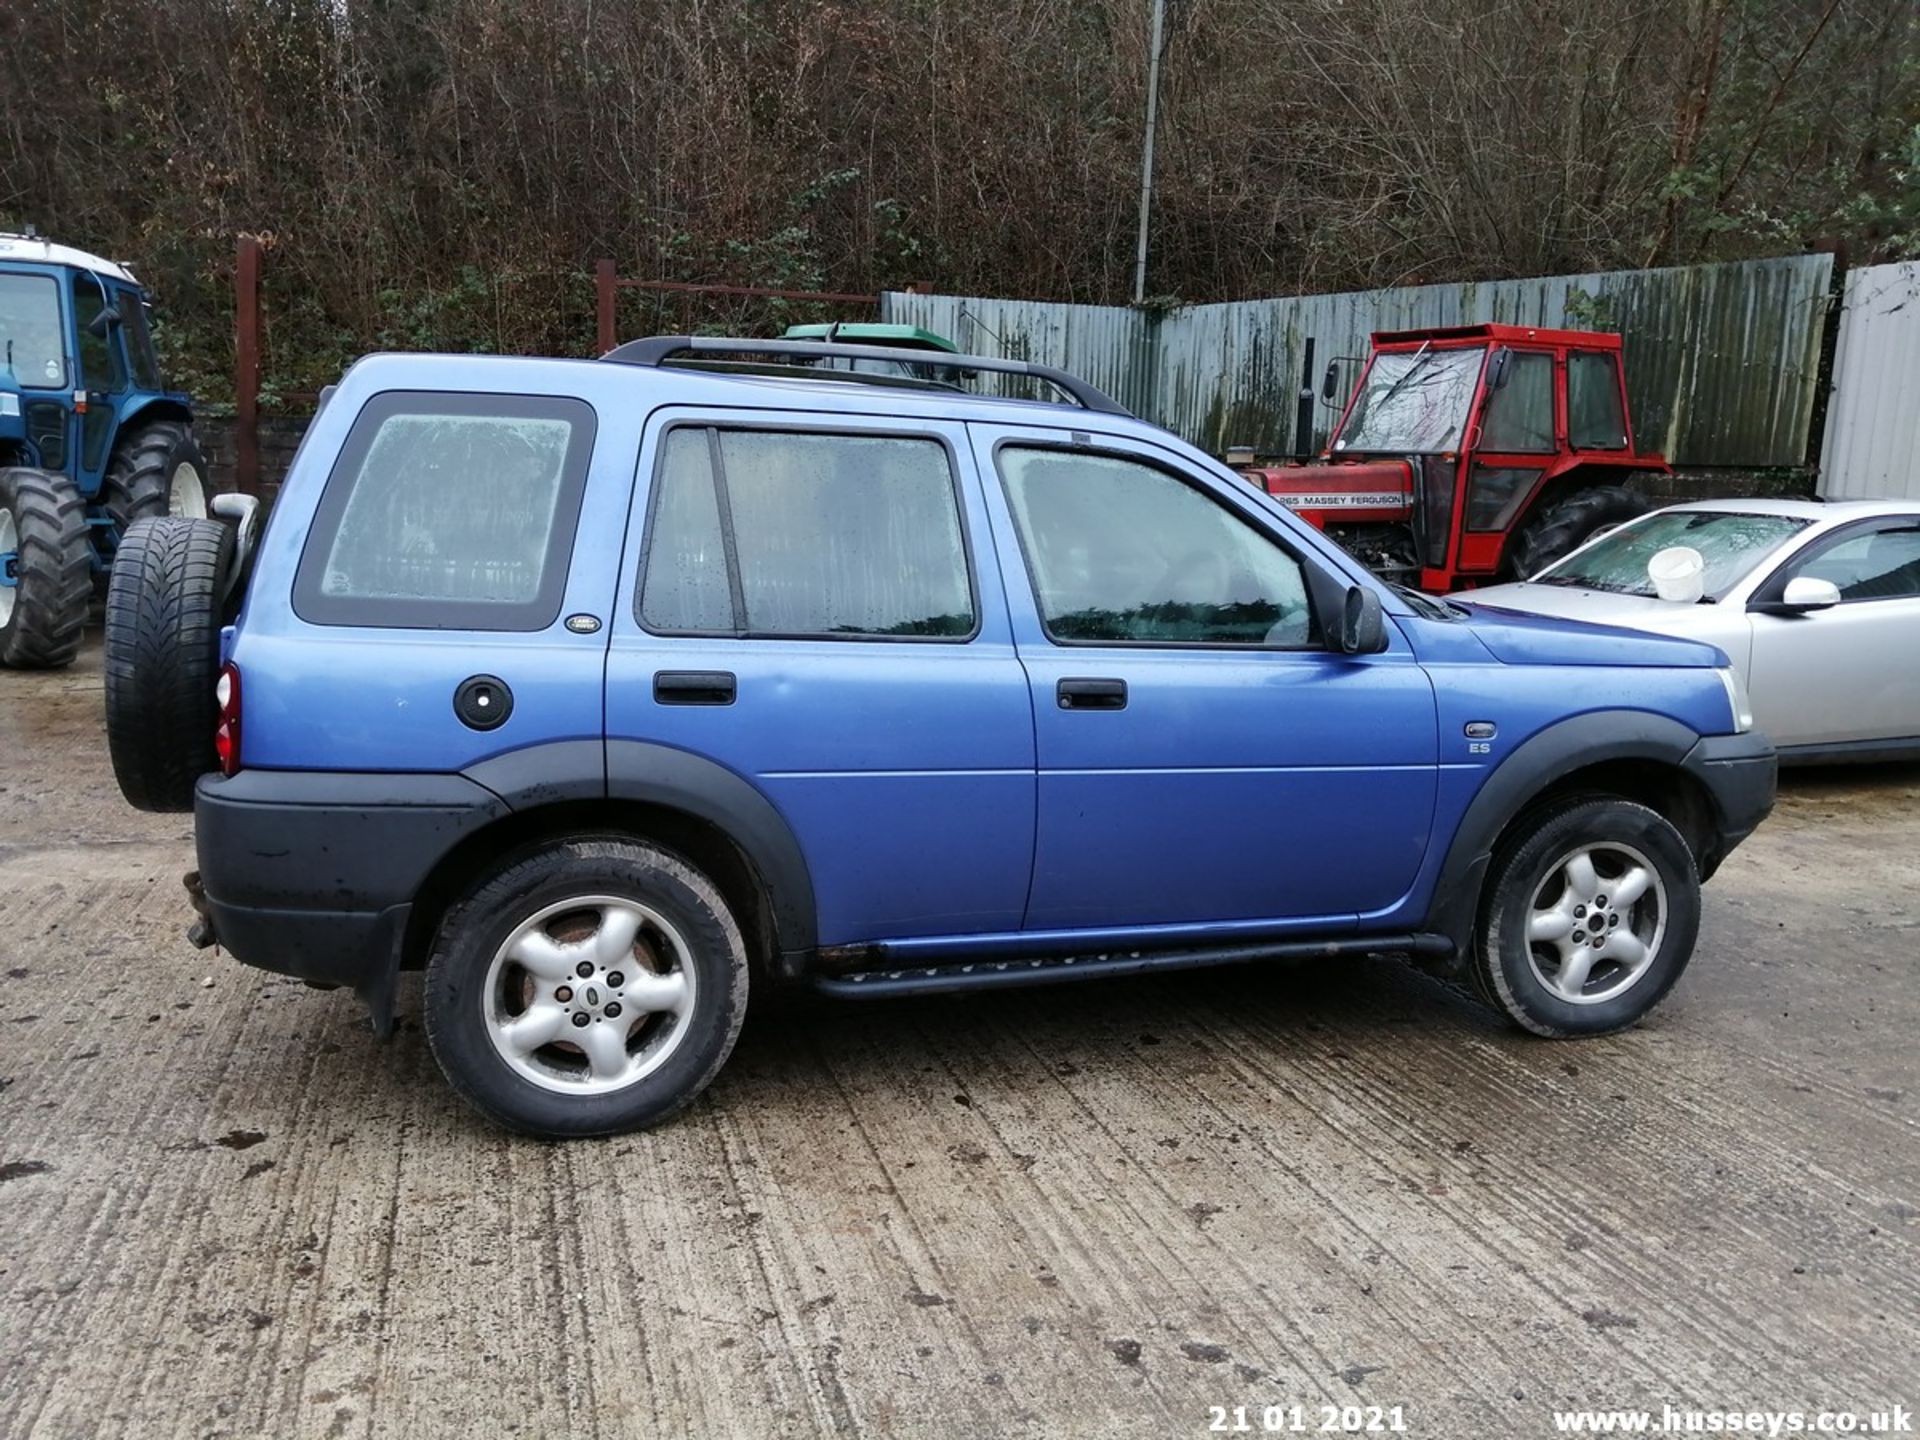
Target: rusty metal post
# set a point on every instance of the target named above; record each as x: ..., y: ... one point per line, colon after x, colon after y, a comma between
x: 246, y: 364
x: 604, y: 289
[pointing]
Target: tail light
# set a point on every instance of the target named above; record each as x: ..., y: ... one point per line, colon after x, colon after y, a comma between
x: 226, y: 732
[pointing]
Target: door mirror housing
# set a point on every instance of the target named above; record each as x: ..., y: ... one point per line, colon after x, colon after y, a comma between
x: 1808, y: 592
x: 103, y: 324
x: 1362, y: 627
x: 1330, y: 382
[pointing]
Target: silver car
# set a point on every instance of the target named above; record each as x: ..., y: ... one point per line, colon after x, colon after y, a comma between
x: 1818, y: 606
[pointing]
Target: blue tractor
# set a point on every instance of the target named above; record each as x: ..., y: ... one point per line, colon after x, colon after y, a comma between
x: 91, y: 440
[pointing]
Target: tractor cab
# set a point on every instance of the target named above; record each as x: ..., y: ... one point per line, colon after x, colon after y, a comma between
x: 91, y: 438
x: 1472, y: 453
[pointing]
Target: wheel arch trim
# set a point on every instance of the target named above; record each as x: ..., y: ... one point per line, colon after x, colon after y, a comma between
x: 1577, y: 743
x: 571, y: 771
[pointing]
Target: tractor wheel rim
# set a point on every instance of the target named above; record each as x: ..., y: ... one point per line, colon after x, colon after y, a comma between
x: 187, y: 493
x: 1596, y: 923
x: 9, y: 565
x: 590, y: 995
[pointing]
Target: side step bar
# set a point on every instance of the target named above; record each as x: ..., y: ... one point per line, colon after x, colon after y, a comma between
x: 880, y: 984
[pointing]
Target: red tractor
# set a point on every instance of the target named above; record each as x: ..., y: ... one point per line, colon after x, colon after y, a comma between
x: 1472, y: 453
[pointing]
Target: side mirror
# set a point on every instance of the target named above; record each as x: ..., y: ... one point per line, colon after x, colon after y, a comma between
x: 1802, y: 596
x: 1330, y: 382
x: 1497, y: 374
x: 1363, y: 628
x: 1807, y: 592
x: 101, y: 324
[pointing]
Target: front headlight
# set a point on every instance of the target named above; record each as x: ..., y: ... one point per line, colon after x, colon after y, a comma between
x: 9, y: 404
x: 1737, y: 699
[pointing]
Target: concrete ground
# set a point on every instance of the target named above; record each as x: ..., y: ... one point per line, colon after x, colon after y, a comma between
x: 225, y: 1209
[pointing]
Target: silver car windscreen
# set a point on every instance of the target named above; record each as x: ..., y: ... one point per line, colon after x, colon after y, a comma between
x: 1731, y: 543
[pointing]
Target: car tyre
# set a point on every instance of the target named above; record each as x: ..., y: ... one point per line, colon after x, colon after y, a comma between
x: 586, y: 987
x: 43, y: 528
x: 1589, y: 917
x: 163, y: 656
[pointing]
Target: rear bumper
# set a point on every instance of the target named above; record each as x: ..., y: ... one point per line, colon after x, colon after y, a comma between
x: 1741, y: 773
x: 314, y: 875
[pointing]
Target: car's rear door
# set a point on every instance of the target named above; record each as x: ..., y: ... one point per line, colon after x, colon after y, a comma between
x: 802, y: 602
x: 1203, y: 758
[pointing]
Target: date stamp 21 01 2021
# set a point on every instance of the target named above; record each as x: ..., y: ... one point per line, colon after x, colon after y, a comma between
x: 1306, y: 1419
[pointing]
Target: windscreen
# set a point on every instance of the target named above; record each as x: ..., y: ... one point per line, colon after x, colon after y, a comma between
x: 1413, y: 402
x: 1730, y: 543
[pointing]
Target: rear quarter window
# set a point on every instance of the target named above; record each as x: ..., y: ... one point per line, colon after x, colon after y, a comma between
x: 449, y: 512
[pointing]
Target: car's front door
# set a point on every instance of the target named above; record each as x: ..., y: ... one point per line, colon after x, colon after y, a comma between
x: 1851, y: 672
x: 1202, y: 756
x: 801, y: 605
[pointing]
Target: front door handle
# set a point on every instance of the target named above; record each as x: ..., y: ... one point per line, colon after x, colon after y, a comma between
x: 1085, y: 693
x: 693, y: 687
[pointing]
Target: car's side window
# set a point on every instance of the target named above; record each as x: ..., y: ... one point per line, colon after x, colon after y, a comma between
x: 1123, y: 552
x: 1882, y: 563
x: 805, y: 535
x: 449, y: 512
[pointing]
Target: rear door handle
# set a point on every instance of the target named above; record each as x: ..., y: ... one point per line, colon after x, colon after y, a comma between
x: 1085, y: 693
x: 693, y: 687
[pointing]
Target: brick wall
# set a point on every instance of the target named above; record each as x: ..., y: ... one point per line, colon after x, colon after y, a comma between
x: 279, y: 437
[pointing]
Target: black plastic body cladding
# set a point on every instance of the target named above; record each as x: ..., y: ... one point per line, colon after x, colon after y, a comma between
x: 1738, y: 771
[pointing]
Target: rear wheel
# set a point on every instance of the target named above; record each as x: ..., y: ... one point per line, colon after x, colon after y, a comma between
x: 44, y: 565
x: 1589, y: 918
x: 157, y: 469
x: 163, y: 655
x: 1557, y: 530
x: 588, y: 987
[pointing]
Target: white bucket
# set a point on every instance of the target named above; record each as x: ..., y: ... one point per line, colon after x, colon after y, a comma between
x: 1678, y: 574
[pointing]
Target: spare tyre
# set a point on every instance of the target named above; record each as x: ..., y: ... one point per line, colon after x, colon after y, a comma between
x: 163, y: 656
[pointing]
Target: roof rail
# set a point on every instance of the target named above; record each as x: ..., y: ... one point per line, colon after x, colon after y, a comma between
x: 658, y: 350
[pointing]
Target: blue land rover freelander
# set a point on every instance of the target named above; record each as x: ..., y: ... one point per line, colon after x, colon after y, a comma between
x: 609, y: 691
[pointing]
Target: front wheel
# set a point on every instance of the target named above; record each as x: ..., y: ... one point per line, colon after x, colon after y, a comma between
x: 1589, y: 918
x: 590, y: 986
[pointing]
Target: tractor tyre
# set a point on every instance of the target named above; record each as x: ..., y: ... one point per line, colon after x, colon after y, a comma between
x: 163, y: 656
x: 1557, y: 530
x: 44, y: 594
x: 157, y: 469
